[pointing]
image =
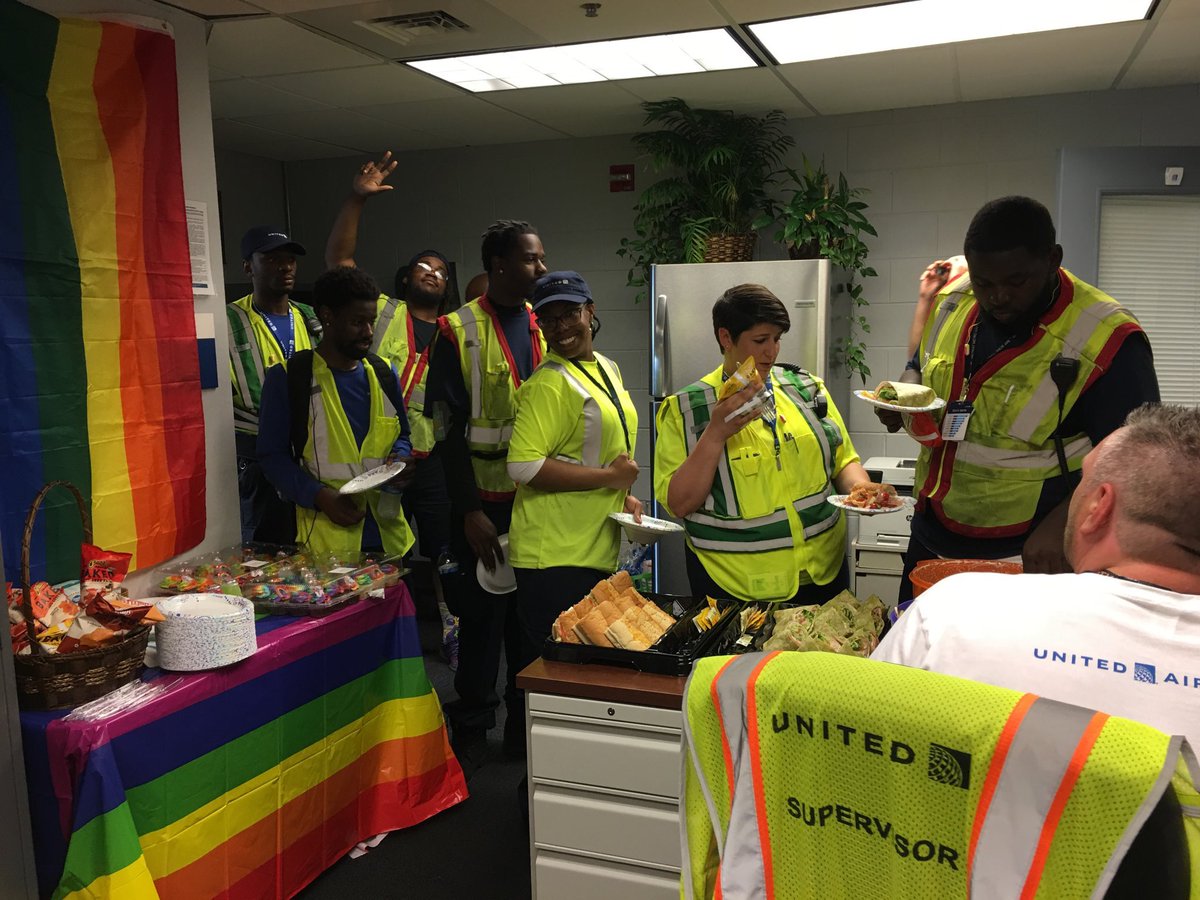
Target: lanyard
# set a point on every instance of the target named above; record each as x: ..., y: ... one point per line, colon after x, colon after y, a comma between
x: 611, y: 393
x: 291, y: 344
x: 971, y: 346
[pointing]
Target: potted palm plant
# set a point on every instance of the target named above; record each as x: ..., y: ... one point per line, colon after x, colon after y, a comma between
x: 720, y: 166
x: 824, y: 218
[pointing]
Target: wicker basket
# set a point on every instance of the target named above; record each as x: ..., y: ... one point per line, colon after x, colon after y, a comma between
x: 49, y: 681
x: 730, y: 247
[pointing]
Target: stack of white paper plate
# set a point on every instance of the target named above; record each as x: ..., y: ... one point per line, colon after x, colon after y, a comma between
x: 204, y: 631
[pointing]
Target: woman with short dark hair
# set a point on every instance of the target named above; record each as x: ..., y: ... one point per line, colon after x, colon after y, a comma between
x: 752, y: 490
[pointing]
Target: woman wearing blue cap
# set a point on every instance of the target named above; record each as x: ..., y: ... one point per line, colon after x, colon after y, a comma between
x: 571, y: 456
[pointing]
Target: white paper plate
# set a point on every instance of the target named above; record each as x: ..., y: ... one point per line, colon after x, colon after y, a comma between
x: 906, y: 504
x: 648, y: 530
x: 869, y: 396
x: 373, y: 478
x: 204, y: 631
x: 501, y: 581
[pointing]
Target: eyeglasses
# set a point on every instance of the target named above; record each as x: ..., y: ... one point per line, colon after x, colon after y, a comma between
x: 565, y: 320
x: 437, y: 273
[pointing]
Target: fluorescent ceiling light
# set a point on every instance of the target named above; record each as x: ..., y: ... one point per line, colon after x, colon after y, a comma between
x: 925, y: 23
x: 643, y: 57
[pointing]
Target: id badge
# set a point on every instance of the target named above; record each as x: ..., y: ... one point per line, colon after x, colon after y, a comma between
x: 955, y: 421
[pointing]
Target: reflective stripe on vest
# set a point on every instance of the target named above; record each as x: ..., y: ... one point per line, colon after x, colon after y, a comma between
x: 247, y: 360
x: 592, y: 434
x: 395, y: 340
x: 382, y: 322
x: 954, y: 293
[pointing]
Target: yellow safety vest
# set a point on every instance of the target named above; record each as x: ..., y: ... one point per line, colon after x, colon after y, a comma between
x: 988, y: 485
x: 490, y: 375
x: 816, y: 775
x: 332, y: 456
x: 252, y: 350
x: 766, y: 518
x: 394, y: 341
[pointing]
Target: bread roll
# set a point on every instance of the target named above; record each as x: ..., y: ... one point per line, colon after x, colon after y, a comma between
x: 583, y: 607
x: 620, y: 581
x: 564, y: 627
x: 590, y: 629
x: 603, y: 591
x: 621, y: 636
x: 624, y: 603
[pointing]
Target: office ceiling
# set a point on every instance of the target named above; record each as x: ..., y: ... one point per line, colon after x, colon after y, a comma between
x: 301, y: 79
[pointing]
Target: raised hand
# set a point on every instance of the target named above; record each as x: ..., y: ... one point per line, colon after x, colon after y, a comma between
x: 371, y: 176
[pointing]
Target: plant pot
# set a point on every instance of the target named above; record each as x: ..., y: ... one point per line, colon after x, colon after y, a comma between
x: 730, y: 247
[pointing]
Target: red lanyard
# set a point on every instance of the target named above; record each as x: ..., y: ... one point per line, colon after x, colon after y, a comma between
x: 417, y: 360
x: 535, y: 346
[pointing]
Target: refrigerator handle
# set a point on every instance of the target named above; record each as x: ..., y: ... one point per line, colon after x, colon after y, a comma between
x: 661, y: 360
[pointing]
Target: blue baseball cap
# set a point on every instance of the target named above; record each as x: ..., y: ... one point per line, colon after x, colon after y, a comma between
x: 265, y: 238
x: 552, y: 286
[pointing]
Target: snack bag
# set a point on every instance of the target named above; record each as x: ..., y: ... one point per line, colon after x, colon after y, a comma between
x: 746, y: 374
x: 106, y: 619
x: 103, y: 570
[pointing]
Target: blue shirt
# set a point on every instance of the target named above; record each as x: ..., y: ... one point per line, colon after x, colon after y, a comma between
x: 291, y: 479
x: 280, y: 326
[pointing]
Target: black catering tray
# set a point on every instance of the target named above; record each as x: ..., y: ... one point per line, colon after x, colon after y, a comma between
x: 671, y: 654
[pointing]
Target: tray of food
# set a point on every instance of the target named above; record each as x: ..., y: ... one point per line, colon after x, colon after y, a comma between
x: 318, y: 584
x: 215, y: 573
x: 617, y: 625
x: 842, y: 625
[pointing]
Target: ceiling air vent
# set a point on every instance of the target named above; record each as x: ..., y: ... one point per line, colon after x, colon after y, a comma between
x: 418, y: 27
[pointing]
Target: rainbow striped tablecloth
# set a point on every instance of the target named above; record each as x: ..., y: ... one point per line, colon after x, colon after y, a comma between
x: 250, y: 781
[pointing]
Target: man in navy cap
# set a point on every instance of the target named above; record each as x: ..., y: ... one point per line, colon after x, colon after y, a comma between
x: 265, y: 328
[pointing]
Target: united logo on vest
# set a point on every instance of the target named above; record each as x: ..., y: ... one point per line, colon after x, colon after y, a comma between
x: 813, y: 775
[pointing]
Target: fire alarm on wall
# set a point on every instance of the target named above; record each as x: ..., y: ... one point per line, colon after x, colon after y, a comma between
x: 1173, y: 176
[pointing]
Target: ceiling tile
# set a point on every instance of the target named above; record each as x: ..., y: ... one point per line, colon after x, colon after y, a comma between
x: 374, y: 85
x: 464, y: 121
x: 566, y: 23
x: 254, y: 47
x: 742, y: 90
x: 245, y: 97
x: 335, y: 126
x: 219, y: 7
x: 1169, y: 56
x: 1056, y: 62
x: 584, y: 110
x: 875, y: 80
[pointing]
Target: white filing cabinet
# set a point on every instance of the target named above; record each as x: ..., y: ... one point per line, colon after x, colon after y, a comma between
x: 877, y: 547
x: 604, y: 799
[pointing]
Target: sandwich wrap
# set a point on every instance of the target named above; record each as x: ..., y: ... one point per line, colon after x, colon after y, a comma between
x: 901, y: 393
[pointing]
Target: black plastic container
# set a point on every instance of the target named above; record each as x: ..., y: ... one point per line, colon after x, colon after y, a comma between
x: 672, y: 654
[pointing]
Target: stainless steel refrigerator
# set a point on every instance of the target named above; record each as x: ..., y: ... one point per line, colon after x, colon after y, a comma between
x: 684, y: 348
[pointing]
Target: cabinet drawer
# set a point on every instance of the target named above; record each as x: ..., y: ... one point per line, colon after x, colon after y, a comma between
x: 605, y: 754
x: 563, y: 877
x: 885, y: 587
x: 879, y: 560
x: 605, y: 711
x: 627, y: 827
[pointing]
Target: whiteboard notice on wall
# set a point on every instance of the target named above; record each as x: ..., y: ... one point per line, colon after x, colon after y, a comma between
x: 197, y: 224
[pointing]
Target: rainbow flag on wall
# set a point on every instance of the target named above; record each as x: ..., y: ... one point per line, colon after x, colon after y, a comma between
x: 99, y: 381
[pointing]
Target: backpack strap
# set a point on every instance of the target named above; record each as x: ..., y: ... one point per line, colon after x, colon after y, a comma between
x: 388, y: 382
x: 299, y: 377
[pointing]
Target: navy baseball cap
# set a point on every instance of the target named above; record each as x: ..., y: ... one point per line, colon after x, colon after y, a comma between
x: 552, y: 286
x: 265, y: 238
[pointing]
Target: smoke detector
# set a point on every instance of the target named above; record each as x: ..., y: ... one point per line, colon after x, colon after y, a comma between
x: 412, y: 28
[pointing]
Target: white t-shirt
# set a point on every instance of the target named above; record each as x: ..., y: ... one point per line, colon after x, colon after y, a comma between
x: 1092, y: 640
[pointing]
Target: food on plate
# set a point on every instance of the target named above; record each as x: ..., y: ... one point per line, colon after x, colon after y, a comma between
x: 745, y: 374
x: 708, y: 616
x: 613, y: 614
x: 901, y: 393
x: 868, y: 495
x: 842, y: 625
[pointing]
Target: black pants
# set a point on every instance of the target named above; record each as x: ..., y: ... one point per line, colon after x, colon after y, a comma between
x: 702, y: 584
x: 916, y: 553
x: 486, y: 622
x: 265, y: 515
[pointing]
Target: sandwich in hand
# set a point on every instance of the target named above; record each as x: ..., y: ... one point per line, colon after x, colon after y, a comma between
x: 901, y: 393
